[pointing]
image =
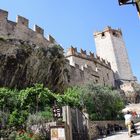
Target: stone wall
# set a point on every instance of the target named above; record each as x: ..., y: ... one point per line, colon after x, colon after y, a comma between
x: 22, y: 64
x: 20, y: 30
x: 95, y: 128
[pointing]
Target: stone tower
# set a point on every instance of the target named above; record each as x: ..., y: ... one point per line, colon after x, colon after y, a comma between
x: 111, y: 47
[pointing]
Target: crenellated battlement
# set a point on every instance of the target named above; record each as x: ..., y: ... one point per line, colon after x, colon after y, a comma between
x: 20, y: 30
x: 3, y: 15
x: 22, y: 21
x: 85, y: 69
x: 73, y: 51
x: 38, y: 30
x: 108, y: 29
x: 83, y: 55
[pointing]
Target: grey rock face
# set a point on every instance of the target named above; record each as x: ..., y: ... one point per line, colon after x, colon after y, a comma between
x: 22, y: 64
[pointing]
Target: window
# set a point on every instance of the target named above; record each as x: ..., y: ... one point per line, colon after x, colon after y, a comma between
x: 107, y: 75
x: 115, y: 34
x: 103, y: 35
x: 96, y: 81
x: 104, y: 81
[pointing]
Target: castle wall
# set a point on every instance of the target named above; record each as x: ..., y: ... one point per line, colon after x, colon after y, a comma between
x: 89, y: 68
x: 106, y: 75
x: 76, y: 76
x: 80, y: 77
x: 20, y: 30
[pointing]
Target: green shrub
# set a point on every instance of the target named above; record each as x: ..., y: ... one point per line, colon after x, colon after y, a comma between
x: 12, y: 136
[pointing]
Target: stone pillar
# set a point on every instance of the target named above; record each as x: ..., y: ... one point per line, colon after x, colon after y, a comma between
x: 67, y: 119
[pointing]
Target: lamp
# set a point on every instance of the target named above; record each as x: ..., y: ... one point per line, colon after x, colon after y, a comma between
x: 124, y: 2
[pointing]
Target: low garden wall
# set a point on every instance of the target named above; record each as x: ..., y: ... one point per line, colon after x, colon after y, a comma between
x: 103, y: 128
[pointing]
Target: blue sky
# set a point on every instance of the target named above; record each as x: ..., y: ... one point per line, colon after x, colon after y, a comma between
x: 72, y: 22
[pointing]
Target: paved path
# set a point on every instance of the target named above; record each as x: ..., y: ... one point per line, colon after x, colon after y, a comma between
x: 123, y: 135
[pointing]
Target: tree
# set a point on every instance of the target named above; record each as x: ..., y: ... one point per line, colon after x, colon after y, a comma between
x: 35, y: 98
x: 8, y: 99
x: 101, y: 102
x: 72, y: 97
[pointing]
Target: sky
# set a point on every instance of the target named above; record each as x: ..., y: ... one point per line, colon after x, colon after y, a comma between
x: 73, y: 22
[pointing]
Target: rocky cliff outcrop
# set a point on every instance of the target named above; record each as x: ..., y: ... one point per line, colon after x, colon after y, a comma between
x: 22, y: 64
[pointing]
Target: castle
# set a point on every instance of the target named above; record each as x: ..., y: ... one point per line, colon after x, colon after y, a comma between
x: 108, y: 66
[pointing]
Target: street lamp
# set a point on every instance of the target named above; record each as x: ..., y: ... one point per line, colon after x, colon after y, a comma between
x: 138, y: 6
x: 125, y: 2
x: 133, y: 2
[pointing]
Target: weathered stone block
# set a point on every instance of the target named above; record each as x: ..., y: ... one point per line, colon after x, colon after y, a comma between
x: 38, y: 29
x: 3, y: 14
x: 22, y: 21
